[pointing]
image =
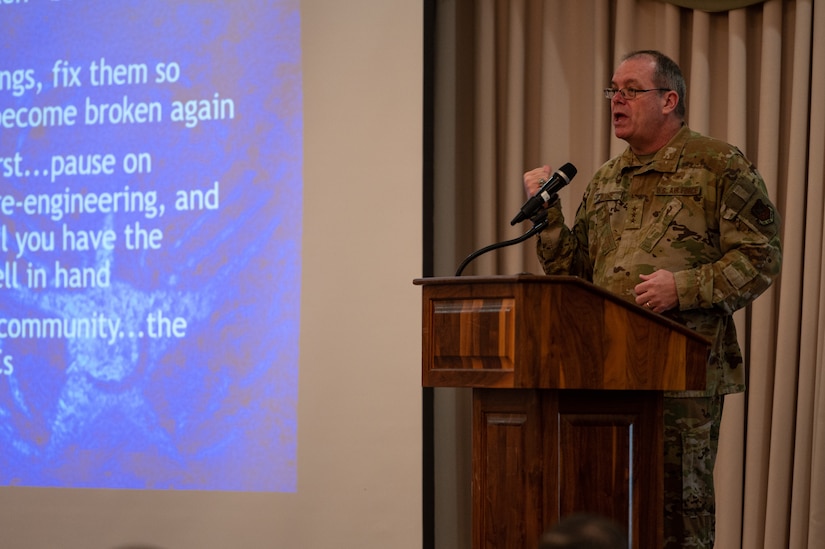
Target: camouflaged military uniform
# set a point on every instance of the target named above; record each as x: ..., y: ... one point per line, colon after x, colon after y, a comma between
x: 699, y: 209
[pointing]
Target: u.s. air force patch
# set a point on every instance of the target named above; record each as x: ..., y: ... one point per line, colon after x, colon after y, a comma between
x: 762, y: 212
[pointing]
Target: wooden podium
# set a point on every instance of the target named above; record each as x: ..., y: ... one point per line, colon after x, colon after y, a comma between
x: 567, y: 384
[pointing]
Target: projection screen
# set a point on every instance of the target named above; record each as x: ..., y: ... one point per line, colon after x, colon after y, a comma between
x: 150, y: 229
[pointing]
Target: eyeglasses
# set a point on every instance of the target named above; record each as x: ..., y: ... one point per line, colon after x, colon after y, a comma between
x: 629, y: 93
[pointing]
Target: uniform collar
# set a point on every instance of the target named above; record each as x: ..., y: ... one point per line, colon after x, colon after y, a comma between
x: 666, y: 159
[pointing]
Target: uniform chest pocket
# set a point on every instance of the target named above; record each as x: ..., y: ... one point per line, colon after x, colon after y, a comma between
x: 662, y: 221
x: 602, y: 240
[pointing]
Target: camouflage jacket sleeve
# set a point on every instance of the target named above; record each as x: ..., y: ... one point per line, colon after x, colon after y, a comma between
x: 748, y: 241
x: 561, y: 250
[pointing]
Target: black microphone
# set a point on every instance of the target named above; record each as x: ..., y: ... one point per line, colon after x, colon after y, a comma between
x: 559, y: 179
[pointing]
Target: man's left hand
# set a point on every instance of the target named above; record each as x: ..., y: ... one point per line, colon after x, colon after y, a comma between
x: 657, y: 291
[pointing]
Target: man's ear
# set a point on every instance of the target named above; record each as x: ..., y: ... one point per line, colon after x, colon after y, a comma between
x: 671, y: 102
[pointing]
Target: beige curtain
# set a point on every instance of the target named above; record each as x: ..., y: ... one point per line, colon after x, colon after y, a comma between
x: 519, y: 85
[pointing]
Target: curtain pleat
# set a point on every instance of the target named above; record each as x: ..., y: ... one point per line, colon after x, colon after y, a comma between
x: 808, y: 503
x: 766, y: 466
x: 482, y: 185
x: 699, y: 93
x: 511, y: 193
x: 795, y: 489
x: 530, y: 72
x: 730, y: 463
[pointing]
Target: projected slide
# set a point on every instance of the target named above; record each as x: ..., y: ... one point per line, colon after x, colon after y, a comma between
x: 150, y: 232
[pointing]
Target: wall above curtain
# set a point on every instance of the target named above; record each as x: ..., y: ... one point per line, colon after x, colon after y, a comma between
x: 713, y: 5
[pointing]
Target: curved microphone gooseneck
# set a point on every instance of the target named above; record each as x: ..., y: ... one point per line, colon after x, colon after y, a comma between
x: 538, y: 226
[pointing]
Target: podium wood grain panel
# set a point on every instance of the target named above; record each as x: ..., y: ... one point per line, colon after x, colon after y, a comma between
x: 474, y: 334
x: 610, y: 459
x: 510, y: 502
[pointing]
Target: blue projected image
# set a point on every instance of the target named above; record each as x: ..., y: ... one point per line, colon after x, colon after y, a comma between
x: 150, y: 231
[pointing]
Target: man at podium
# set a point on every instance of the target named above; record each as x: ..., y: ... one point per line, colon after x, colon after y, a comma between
x: 681, y: 224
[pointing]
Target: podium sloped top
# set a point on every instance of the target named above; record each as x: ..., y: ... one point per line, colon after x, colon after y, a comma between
x: 554, y: 332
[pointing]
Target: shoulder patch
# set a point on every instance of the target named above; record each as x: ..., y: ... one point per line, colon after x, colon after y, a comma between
x: 763, y: 213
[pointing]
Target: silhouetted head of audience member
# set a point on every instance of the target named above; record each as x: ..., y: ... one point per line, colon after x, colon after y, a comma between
x: 583, y: 531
